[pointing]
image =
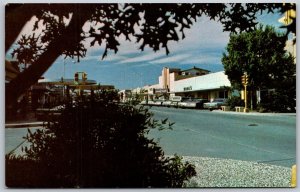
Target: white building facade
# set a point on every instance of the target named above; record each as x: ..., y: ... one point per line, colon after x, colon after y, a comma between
x: 208, y: 86
x: 193, y: 83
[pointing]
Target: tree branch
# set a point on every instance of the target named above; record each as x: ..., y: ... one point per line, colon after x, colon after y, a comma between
x: 70, y: 37
x: 15, y: 18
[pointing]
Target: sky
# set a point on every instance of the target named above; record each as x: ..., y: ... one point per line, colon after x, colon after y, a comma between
x: 203, y: 47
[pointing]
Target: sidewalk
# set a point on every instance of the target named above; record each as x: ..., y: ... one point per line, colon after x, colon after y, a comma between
x: 219, y: 172
x: 255, y: 113
x: 24, y: 124
x: 19, y: 121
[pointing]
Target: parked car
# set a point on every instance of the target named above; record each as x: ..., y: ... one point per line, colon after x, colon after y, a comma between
x: 157, y: 102
x: 174, y: 104
x: 183, y: 102
x: 192, y: 103
x: 144, y: 102
x: 150, y: 102
x: 215, y: 104
x: 175, y: 100
x: 166, y: 103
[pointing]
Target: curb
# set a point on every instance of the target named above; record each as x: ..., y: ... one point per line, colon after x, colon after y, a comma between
x: 254, y: 113
x: 22, y: 125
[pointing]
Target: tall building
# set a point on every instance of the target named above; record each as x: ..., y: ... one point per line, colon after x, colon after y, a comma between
x: 169, y: 75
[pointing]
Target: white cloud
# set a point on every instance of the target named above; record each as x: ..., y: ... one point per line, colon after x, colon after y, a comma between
x: 203, y: 33
x: 171, y: 59
x: 113, y: 57
x: 144, y: 57
x: 205, y: 59
x: 125, y: 48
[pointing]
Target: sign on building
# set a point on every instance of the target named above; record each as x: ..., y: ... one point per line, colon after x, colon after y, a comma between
x: 189, y: 88
x: 159, y: 90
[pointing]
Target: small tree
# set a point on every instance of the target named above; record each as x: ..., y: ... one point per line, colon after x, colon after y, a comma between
x: 97, y: 143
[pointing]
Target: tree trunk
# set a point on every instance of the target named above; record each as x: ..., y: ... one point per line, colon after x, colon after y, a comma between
x: 70, y: 37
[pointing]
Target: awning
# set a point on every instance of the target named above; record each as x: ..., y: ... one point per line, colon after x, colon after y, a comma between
x: 10, y: 71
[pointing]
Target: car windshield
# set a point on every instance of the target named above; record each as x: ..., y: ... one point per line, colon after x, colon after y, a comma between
x: 198, y: 99
x: 186, y: 99
x: 219, y: 100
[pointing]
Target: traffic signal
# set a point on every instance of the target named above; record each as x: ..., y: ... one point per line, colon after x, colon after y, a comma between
x: 245, y: 79
x: 76, y: 77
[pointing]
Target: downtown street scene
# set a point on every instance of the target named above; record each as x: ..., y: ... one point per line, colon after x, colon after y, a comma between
x: 121, y: 96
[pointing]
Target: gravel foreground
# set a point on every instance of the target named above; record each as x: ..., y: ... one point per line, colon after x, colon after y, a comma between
x: 214, y: 172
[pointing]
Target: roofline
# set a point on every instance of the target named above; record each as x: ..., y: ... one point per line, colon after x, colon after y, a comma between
x: 195, y: 68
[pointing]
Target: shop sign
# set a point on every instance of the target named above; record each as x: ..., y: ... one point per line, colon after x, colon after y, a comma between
x: 161, y: 90
x: 189, y: 88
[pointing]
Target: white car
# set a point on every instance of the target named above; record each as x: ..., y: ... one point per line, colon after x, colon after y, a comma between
x: 192, y: 103
x: 143, y: 102
x: 157, y: 102
x: 166, y: 103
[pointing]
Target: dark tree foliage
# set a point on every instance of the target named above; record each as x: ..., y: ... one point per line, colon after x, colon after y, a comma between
x: 63, y: 34
x: 28, y: 51
x: 97, y: 143
x: 283, y: 99
x: 261, y: 55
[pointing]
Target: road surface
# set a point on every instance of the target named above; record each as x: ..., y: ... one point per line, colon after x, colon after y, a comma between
x: 261, y: 138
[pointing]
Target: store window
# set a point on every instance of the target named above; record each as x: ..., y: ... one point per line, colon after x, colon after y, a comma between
x: 223, y: 94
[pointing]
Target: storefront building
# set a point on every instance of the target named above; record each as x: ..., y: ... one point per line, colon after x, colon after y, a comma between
x: 208, y: 86
x: 193, y: 83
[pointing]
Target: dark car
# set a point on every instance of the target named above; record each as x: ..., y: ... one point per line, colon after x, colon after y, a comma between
x: 215, y: 104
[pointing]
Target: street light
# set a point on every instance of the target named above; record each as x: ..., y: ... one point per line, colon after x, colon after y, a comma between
x: 65, y: 67
x: 63, y: 78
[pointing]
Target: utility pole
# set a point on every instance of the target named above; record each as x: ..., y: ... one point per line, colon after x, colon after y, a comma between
x: 245, y: 83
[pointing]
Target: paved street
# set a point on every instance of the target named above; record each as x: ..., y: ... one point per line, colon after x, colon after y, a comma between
x: 14, y: 139
x: 261, y: 138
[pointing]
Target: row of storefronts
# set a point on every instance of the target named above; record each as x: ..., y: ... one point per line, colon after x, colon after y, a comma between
x: 192, y: 83
x: 196, y: 83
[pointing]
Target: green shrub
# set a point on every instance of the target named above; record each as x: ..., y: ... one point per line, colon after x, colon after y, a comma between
x: 235, y: 101
x: 96, y: 142
x: 278, y: 101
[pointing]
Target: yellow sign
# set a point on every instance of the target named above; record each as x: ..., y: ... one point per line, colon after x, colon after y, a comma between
x: 242, y: 94
x: 293, y: 177
x: 288, y: 17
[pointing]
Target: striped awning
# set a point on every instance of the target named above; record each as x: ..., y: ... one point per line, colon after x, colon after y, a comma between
x: 10, y: 71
